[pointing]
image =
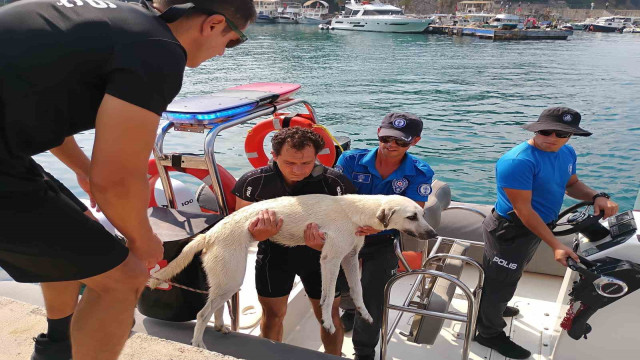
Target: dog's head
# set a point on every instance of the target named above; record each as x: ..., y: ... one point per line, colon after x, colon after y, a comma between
x: 401, y: 213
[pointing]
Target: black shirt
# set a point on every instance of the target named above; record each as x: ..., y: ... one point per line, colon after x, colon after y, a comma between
x: 268, y: 183
x: 57, y: 62
x: 58, y: 58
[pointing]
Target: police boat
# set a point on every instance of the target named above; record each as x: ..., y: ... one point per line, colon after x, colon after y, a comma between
x: 586, y: 311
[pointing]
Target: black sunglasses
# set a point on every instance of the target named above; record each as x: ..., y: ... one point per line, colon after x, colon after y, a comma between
x: 398, y: 141
x: 559, y: 134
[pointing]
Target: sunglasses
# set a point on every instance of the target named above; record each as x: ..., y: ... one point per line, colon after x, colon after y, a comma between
x: 232, y: 43
x: 559, y: 134
x: 398, y: 141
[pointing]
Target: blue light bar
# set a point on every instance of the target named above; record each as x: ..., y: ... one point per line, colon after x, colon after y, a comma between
x: 207, y: 117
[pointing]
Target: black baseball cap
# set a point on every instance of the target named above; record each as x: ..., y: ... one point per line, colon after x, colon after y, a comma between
x: 558, y: 118
x: 401, y: 125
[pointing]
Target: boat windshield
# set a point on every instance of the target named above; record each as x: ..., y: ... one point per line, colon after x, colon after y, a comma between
x: 382, y: 12
x: 351, y: 12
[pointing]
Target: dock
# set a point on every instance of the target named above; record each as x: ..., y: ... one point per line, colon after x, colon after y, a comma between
x: 497, y: 34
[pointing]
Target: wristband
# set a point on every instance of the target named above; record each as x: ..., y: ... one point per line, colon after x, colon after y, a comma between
x: 600, y: 194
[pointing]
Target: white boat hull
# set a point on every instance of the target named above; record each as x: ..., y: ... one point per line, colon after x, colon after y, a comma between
x: 285, y: 20
x: 312, y: 21
x: 396, y: 25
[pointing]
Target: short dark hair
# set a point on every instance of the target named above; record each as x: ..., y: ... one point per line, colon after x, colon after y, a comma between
x: 241, y: 12
x: 297, y: 138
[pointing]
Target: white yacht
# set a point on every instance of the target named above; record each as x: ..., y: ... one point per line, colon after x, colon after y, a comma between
x: 379, y: 17
x: 266, y: 10
x: 314, y: 12
x: 610, y: 24
x: 288, y: 13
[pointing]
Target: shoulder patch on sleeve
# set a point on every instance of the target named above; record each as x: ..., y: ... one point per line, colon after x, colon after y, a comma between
x: 424, y: 189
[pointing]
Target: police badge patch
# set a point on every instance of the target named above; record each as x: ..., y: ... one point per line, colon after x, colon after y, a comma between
x: 399, y: 123
x: 424, y: 189
x: 399, y: 185
x: 361, y: 178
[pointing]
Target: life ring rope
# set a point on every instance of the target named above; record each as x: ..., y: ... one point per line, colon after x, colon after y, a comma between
x: 330, y: 135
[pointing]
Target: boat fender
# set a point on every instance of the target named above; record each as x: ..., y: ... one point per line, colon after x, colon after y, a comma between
x: 228, y: 181
x: 254, y: 143
x: 185, y: 198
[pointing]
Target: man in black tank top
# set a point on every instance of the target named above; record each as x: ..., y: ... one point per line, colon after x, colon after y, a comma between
x: 293, y: 172
x: 68, y: 66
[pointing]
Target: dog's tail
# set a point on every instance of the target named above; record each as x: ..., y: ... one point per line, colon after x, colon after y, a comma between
x: 179, y: 263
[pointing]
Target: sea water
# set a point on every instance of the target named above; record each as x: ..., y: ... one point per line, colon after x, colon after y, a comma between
x: 473, y: 95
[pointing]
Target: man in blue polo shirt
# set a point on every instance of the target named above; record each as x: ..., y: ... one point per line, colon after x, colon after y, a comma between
x: 532, y: 179
x: 388, y: 170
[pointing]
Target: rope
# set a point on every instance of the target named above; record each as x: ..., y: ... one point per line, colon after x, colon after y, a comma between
x: 330, y: 135
x: 244, y: 310
x: 180, y: 286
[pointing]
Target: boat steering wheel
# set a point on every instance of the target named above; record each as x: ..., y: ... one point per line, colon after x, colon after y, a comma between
x: 577, y: 218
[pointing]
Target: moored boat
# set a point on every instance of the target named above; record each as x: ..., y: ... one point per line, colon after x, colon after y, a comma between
x: 266, y: 10
x: 314, y: 12
x: 378, y: 17
x: 506, y: 22
x: 610, y: 24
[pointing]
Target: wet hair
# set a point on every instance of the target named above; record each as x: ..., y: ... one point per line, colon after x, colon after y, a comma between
x: 241, y: 12
x: 297, y: 138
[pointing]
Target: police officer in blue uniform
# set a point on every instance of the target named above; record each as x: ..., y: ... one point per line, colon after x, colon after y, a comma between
x: 388, y: 170
x: 532, y: 179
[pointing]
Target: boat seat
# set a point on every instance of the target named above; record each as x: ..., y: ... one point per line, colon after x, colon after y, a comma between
x: 439, y: 294
x: 439, y: 200
x: 173, y: 225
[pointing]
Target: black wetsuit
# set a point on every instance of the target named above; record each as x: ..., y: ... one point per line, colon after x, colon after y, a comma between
x: 58, y: 59
x: 277, y: 265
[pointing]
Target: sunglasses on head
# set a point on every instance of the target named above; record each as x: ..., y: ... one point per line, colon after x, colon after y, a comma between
x: 231, y: 43
x: 559, y: 134
x: 398, y: 141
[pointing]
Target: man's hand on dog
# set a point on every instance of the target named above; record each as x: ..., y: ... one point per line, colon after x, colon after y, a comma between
x: 366, y: 230
x: 313, y: 237
x: 265, y: 225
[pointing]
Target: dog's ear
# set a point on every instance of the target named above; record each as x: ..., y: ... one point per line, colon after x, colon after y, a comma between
x: 384, y: 215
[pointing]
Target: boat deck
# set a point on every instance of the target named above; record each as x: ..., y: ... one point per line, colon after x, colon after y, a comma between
x: 535, y: 297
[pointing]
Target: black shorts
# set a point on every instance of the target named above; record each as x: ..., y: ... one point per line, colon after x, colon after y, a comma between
x: 45, y: 237
x: 277, y: 267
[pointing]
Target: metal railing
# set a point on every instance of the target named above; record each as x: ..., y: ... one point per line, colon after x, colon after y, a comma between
x: 208, y: 161
x: 424, y: 283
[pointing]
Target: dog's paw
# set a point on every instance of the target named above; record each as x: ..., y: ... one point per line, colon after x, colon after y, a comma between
x: 366, y: 316
x: 328, y: 325
x: 199, y: 343
x: 224, y: 329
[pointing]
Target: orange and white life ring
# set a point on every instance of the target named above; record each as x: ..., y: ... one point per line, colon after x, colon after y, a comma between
x: 254, y: 143
x: 228, y: 181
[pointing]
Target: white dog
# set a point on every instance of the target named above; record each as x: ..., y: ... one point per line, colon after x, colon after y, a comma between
x: 225, y: 246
